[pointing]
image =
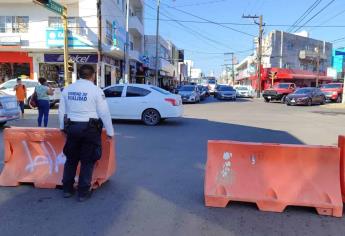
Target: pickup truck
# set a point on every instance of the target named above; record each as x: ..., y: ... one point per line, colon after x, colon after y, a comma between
x: 279, y: 92
x: 333, y: 91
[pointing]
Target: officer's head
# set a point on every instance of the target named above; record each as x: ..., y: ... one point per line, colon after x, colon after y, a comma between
x: 87, y: 72
x: 42, y: 80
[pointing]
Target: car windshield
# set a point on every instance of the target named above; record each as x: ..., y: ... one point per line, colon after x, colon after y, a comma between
x: 225, y: 88
x: 242, y: 88
x: 162, y: 91
x: 187, y: 88
x: 9, y: 84
x: 326, y: 86
x: 282, y: 86
x: 304, y: 91
x: 211, y: 81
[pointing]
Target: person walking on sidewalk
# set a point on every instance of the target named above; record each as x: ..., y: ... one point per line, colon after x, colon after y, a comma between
x: 43, y: 91
x: 83, y: 111
x: 20, y: 90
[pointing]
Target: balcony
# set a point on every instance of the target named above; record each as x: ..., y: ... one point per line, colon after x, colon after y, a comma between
x: 311, y: 55
x: 136, y: 27
x: 134, y: 55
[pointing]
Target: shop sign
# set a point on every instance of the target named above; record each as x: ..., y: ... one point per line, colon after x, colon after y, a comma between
x: 76, y: 58
x: 119, y: 37
x: 9, y: 40
x: 55, y: 38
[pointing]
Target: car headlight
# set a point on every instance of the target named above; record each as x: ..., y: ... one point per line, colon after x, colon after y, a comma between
x: 335, y: 93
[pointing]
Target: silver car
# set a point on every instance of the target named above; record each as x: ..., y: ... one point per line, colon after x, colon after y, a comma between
x: 189, y: 93
x: 9, y: 109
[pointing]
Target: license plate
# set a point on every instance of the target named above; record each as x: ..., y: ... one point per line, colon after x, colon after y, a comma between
x: 293, y: 100
x: 11, y: 105
x: 269, y: 97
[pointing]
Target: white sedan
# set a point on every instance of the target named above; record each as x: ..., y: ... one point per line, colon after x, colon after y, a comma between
x: 142, y: 102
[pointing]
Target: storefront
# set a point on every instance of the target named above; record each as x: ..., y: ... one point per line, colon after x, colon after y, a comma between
x: 301, y: 78
x: 112, y: 70
x: 53, y: 66
x: 14, y: 65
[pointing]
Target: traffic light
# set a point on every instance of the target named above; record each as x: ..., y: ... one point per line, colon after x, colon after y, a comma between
x: 70, y: 66
x: 43, y: 2
x: 272, y: 75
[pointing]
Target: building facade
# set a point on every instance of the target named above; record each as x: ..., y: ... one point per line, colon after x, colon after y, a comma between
x: 31, y: 41
x: 293, y: 57
x: 167, y: 61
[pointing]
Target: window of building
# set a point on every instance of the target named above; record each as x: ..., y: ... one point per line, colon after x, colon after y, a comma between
x: 131, y: 46
x: 14, y: 24
x: 118, y: 2
x: 123, y: 5
x: 113, y: 92
x: 136, y: 92
x: 73, y: 23
x: 109, y: 33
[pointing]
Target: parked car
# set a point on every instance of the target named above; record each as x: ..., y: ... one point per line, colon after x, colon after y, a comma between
x: 333, y: 91
x: 279, y: 92
x: 142, y: 102
x: 306, y: 96
x: 225, y: 92
x: 189, y: 94
x: 30, y: 85
x: 204, y: 93
x: 244, y: 91
x: 211, y: 84
x: 9, y: 109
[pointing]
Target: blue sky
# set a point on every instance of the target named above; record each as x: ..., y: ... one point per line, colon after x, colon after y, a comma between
x: 206, y: 43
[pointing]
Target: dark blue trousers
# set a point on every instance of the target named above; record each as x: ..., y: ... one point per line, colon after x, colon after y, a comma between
x: 83, y: 145
x: 43, y: 112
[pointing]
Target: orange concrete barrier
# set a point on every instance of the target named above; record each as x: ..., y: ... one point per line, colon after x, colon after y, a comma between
x: 273, y: 176
x: 341, y: 144
x: 34, y: 155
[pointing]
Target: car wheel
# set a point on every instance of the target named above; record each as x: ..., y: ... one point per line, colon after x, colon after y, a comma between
x: 283, y: 99
x: 267, y: 100
x: 339, y: 99
x: 310, y: 102
x: 323, y: 101
x: 151, y: 117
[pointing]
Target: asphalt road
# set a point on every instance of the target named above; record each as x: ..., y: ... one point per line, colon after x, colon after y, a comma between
x: 158, y: 186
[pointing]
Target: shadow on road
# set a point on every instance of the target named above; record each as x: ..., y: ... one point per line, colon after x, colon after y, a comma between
x: 157, y: 190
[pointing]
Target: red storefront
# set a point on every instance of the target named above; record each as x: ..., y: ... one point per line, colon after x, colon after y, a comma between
x: 15, y: 64
x: 300, y: 77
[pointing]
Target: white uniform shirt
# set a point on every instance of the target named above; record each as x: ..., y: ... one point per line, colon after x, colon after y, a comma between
x: 83, y: 100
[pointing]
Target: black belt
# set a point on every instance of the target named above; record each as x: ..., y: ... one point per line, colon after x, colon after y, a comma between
x: 78, y: 122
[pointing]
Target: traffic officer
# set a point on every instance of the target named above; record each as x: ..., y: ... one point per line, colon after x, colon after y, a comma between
x: 83, y: 111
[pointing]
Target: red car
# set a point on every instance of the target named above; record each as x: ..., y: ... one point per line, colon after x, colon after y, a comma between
x: 333, y: 91
x: 279, y: 92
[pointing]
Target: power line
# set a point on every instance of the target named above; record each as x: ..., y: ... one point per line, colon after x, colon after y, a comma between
x: 250, y: 24
x: 326, y: 6
x: 304, y: 15
x: 332, y: 17
x: 190, y: 30
x: 210, y: 21
x: 202, y: 3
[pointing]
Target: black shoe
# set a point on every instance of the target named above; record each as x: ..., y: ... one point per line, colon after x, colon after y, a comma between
x: 84, y: 197
x: 68, y: 194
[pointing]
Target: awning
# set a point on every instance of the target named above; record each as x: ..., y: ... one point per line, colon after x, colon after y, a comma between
x: 313, y: 77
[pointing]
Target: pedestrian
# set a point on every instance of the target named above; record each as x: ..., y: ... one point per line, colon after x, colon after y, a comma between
x: 83, y: 111
x: 20, y: 90
x: 43, y: 91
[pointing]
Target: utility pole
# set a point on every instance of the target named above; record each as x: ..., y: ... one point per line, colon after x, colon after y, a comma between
x: 258, y: 82
x: 65, y: 47
x: 232, y: 66
x: 99, y: 37
x: 317, y: 49
x: 157, y: 43
x: 127, y: 44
